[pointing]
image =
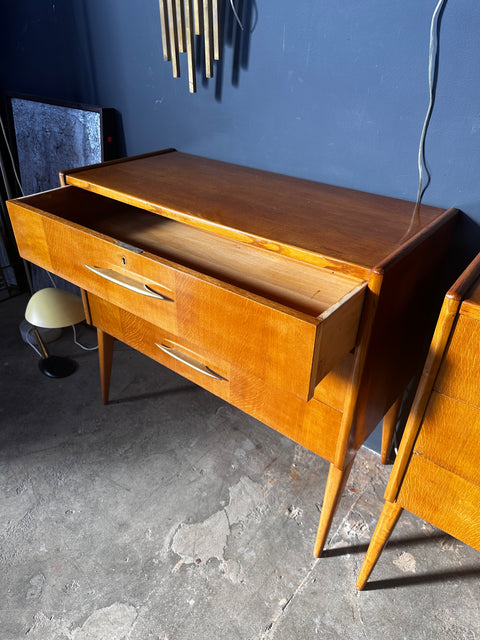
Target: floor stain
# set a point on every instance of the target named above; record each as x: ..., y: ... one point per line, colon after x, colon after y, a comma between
x: 406, y: 562
x: 199, y: 542
x: 113, y: 622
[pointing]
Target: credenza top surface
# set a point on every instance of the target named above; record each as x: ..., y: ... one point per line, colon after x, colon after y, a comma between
x: 285, y: 214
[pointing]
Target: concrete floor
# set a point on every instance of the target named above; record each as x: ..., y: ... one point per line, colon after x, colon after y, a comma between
x: 170, y: 515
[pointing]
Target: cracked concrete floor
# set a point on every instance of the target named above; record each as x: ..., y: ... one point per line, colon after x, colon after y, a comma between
x: 170, y: 515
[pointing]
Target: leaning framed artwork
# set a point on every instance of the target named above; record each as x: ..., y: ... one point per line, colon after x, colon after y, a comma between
x: 54, y: 136
x: 51, y: 136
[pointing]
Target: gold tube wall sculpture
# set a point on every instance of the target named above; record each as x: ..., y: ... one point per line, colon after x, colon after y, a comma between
x: 181, y: 21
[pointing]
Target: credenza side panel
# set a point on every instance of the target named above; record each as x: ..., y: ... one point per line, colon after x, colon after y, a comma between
x: 410, y: 299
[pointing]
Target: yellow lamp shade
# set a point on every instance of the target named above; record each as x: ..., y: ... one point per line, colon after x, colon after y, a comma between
x: 54, y: 308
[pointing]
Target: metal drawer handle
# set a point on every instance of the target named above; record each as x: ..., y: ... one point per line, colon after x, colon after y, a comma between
x: 190, y: 362
x: 128, y: 283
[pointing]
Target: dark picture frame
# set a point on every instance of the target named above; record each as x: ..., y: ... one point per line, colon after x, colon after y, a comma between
x: 49, y: 136
x: 52, y: 136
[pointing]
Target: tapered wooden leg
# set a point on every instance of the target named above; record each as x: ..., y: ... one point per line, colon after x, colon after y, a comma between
x: 105, y: 357
x: 336, y: 481
x: 388, y: 431
x: 388, y: 519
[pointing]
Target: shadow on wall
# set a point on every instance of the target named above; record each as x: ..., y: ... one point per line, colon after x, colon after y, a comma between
x: 237, y: 19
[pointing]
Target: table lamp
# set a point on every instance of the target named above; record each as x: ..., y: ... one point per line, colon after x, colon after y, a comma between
x: 53, y: 309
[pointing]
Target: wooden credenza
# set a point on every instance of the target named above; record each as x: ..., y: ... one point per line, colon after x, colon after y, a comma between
x: 305, y: 305
x: 436, y: 474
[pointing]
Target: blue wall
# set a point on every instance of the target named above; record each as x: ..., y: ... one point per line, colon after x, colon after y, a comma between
x: 332, y: 91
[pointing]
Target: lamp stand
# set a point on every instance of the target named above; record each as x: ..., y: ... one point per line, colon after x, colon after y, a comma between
x: 53, y: 366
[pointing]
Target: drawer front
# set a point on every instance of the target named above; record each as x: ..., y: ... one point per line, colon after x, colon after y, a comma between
x: 450, y: 436
x: 312, y: 424
x: 289, y: 349
x: 190, y: 361
x: 333, y: 389
x: 459, y: 375
x: 442, y: 498
x: 71, y: 252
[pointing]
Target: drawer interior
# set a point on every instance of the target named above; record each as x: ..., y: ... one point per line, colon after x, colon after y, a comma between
x: 304, y: 287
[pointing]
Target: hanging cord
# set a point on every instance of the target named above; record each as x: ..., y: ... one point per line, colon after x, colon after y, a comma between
x: 432, y: 86
x: 237, y: 17
x: 79, y: 344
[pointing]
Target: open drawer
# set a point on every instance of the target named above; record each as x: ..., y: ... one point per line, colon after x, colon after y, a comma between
x: 286, y: 321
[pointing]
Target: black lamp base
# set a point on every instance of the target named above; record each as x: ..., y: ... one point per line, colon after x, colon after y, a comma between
x: 57, y: 367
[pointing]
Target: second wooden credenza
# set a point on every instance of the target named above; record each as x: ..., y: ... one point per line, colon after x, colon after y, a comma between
x: 436, y: 474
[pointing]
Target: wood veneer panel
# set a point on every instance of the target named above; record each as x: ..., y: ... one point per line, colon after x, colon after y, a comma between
x: 450, y: 436
x: 407, y: 309
x: 459, y: 375
x: 444, y: 499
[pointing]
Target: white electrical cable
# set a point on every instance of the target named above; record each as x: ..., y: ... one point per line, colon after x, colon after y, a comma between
x: 82, y: 346
x: 51, y: 279
x: 432, y: 63
x: 237, y: 17
x: 422, y: 163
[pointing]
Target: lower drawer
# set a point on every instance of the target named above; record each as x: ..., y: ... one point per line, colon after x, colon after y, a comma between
x: 313, y: 424
x: 444, y: 499
x: 450, y: 436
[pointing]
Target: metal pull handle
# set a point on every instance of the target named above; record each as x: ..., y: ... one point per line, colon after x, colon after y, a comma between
x: 190, y: 362
x: 128, y: 283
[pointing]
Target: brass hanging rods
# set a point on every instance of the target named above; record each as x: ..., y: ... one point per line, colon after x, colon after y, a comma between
x: 216, y: 30
x: 207, y: 37
x: 164, y: 23
x: 190, y: 38
x: 180, y: 21
x: 173, y: 37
